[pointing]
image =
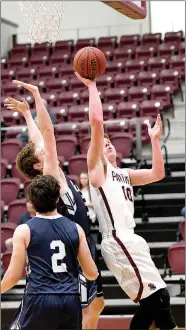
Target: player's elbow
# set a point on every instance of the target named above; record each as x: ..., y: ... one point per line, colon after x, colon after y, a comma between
x: 16, y: 275
x: 12, y: 278
x: 91, y: 272
x: 91, y: 275
x: 159, y: 175
x: 47, y: 130
x: 96, y: 120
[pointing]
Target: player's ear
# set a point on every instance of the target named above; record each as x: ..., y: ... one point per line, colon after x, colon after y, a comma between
x: 38, y: 166
x: 34, y: 208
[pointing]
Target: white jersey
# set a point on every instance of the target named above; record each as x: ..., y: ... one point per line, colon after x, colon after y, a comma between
x: 114, y: 201
x: 126, y: 254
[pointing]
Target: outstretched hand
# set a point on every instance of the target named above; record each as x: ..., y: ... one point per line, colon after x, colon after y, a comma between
x: 15, y: 105
x: 155, y: 132
x: 85, y: 81
x: 31, y: 88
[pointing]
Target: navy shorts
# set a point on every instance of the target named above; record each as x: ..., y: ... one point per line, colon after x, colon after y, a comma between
x: 89, y: 290
x: 48, y: 311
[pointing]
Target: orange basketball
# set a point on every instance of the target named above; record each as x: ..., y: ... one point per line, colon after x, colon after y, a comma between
x: 90, y: 62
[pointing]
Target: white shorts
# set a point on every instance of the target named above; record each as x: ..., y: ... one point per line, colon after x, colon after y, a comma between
x: 127, y: 256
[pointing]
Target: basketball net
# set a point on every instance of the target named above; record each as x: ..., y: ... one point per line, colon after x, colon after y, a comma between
x: 44, y: 19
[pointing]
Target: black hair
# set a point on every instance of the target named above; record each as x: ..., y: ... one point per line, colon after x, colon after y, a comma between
x: 43, y: 193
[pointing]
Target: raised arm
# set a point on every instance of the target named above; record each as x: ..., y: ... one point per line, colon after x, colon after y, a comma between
x: 157, y: 172
x: 15, y: 269
x: 95, y: 158
x: 84, y: 257
x: 51, y: 163
x: 23, y: 107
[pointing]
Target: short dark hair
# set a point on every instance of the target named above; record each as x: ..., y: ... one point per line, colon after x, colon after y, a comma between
x: 25, y: 161
x: 43, y: 193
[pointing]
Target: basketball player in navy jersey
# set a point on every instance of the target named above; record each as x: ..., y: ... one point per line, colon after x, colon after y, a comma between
x: 40, y: 156
x: 51, y: 244
x: 126, y: 254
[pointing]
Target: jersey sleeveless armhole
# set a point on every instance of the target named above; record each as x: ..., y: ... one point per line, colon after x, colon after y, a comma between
x: 74, y: 205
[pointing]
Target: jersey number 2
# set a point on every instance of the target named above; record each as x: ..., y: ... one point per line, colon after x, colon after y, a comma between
x: 57, y: 265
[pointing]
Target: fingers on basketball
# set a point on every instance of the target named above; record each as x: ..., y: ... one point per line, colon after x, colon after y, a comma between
x: 78, y: 76
x: 90, y: 62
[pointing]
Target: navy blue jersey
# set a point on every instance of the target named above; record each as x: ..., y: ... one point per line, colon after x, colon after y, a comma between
x: 73, y: 206
x: 52, y: 256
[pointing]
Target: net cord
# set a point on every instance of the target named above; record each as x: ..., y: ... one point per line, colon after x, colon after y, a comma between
x: 44, y: 19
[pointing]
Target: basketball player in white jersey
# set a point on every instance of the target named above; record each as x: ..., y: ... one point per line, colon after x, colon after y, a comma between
x: 126, y: 254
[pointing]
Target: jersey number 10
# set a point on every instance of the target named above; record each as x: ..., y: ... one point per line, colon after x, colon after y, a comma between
x: 57, y: 265
x: 127, y: 193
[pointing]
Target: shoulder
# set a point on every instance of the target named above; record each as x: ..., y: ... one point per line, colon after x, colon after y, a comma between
x: 68, y: 222
x: 21, y: 229
x: 31, y: 221
x: 65, y: 219
x: 22, y: 232
x: 126, y: 171
x: 130, y: 171
x: 80, y: 231
x: 72, y: 228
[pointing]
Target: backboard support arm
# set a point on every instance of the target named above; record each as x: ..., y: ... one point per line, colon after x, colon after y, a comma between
x: 129, y: 8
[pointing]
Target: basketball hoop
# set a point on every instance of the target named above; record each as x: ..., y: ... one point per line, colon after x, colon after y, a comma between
x: 44, y: 19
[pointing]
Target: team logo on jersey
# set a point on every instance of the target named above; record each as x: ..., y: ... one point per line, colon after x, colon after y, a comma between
x: 120, y: 178
x: 152, y: 286
x: 126, y: 190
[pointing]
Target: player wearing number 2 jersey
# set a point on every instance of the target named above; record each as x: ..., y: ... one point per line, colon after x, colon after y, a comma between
x: 53, y: 245
x: 126, y: 254
x: 39, y: 156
